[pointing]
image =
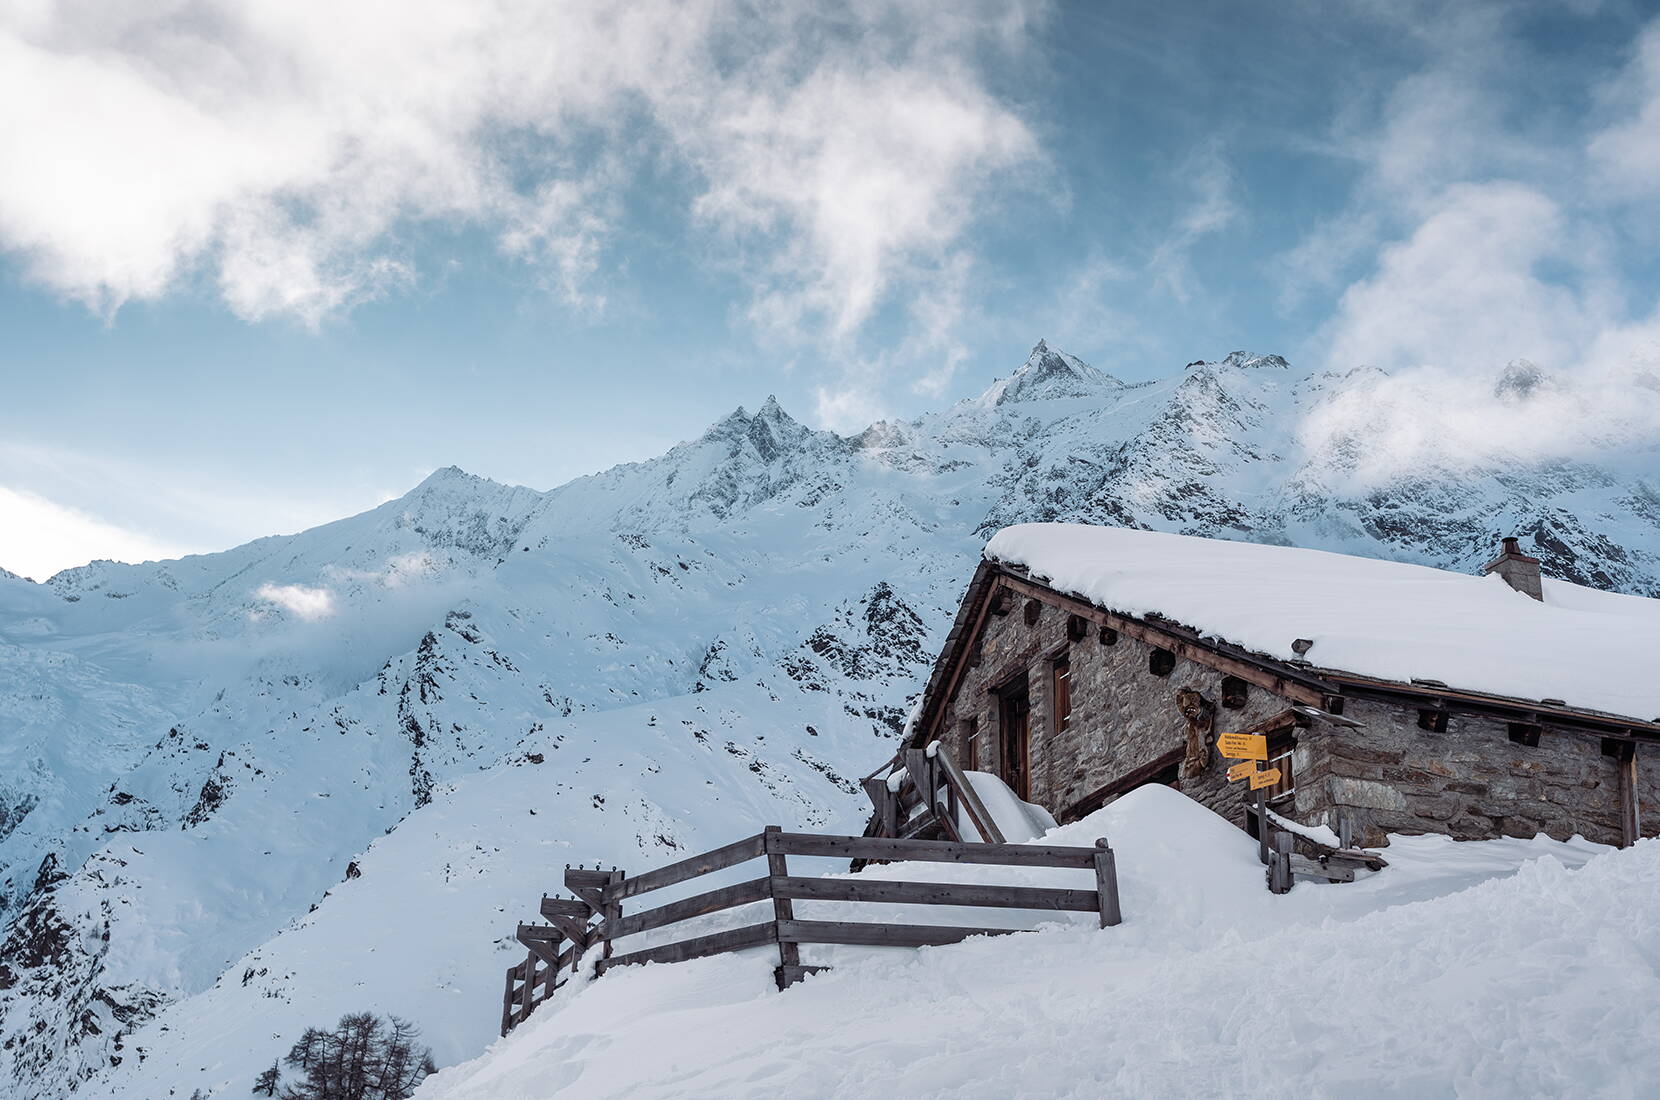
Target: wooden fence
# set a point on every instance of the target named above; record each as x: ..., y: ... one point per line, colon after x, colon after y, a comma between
x: 595, y: 919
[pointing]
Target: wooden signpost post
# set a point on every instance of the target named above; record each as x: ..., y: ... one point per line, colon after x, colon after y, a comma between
x: 1248, y: 748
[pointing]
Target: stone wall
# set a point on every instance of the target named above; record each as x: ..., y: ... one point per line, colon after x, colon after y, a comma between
x: 1123, y: 716
x: 1470, y: 782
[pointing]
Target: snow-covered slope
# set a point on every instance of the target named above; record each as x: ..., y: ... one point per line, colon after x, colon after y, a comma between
x: 462, y: 689
x: 1417, y: 981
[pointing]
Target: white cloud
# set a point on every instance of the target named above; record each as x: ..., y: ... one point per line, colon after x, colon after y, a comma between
x: 310, y: 604
x: 1627, y: 153
x: 280, y: 148
x: 1501, y: 253
x: 1211, y: 210
x: 39, y: 537
x: 1467, y: 291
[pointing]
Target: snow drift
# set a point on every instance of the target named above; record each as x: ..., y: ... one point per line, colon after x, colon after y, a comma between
x: 1501, y: 968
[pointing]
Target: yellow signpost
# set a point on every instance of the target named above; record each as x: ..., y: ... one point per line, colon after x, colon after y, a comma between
x: 1242, y: 770
x: 1265, y: 778
x: 1243, y: 746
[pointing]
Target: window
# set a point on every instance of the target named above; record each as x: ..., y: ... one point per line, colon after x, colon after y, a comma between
x: 1063, y: 695
x: 971, y: 744
x: 1235, y: 692
x: 1524, y: 733
x: 1160, y: 662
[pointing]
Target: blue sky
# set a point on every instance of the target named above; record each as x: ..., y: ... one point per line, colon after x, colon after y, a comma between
x: 263, y: 269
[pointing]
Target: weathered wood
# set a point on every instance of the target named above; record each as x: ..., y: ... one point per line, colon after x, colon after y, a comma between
x: 544, y: 947
x: 528, y: 990
x: 713, y: 901
x: 1106, y: 885
x: 569, y: 907
x: 916, y: 768
x: 978, y: 815
x: 937, y: 851
x: 982, y: 895
x: 1130, y: 780
x: 507, y: 1001
x: 1313, y: 868
x: 882, y: 798
x: 1279, y: 867
x: 736, y: 852
x: 881, y: 935
x: 789, y: 975
x: 1630, y: 820
x: 576, y: 930
x: 588, y: 885
x: 736, y: 939
x: 789, y: 955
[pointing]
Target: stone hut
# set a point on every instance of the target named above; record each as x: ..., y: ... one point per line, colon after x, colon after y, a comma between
x: 1087, y: 661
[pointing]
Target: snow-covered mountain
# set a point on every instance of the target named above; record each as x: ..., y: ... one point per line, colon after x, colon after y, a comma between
x: 242, y: 793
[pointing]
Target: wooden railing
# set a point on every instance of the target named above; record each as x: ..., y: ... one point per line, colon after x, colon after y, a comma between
x: 595, y: 919
x: 930, y: 777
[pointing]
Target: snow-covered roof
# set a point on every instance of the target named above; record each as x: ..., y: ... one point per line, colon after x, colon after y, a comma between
x: 1591, y: 649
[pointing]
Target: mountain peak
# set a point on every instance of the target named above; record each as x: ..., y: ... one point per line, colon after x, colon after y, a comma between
x: 1048, y: 374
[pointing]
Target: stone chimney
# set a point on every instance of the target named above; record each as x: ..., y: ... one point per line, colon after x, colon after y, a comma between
x: 1518, y: 570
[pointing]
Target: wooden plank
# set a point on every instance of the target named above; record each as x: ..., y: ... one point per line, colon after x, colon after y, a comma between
x: 1630, y: 820
x: 887, y: 807
x: 916, y: 766
x: 1126, y: 782
x: 528, y: 990
x: 588, y: 885
x: 1106, y: 885
x: 569, y: 907
x: 712, y: 901
x: 1279, y: 870
x: 545, y: 948
x: 960, y: 663
x: 1310, y: 868
x: 881, y: 935
x: 736, y: 939
x: 736, y: 852
x: 937, y: 851
x: 577, y: 931
x: 789, y: 955
x: 983, y: 895
x: 978, y: 815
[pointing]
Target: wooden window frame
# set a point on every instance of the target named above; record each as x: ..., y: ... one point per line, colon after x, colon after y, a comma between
x: 971, y: 744
x: 1060, y: 691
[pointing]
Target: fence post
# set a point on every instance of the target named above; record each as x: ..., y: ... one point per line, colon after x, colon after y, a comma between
x: 1279, y: 869
x: 527, y: 992
x: 507, y: 1002
x: 1106, y: 884
x: 613, y: 907
x: 789, y: 954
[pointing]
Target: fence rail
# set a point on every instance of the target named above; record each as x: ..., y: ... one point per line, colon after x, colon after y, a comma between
x: 594, y: 919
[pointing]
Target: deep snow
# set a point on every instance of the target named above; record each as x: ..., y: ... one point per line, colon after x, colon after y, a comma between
x: 1502, y: 968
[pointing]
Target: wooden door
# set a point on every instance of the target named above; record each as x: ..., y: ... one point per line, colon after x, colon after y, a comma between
x: 1017, y: 742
